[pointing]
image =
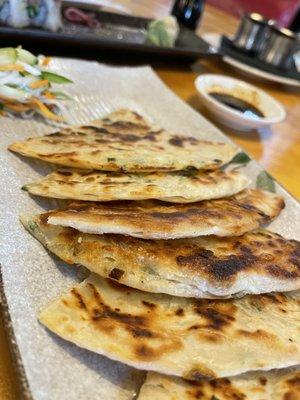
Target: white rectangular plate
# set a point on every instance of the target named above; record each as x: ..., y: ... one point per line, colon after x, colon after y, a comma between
x: 55, y: 369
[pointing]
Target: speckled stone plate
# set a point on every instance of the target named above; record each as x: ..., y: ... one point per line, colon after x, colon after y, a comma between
x: 49, y: 367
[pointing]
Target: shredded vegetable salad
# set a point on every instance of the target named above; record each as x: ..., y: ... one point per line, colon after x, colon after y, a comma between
x: 26, y: 85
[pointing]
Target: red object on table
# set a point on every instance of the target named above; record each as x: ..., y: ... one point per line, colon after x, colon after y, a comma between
x: 281, y: 10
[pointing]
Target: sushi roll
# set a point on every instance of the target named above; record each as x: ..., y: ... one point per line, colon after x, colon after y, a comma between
x: 44, y: 13
x: 14, y: 13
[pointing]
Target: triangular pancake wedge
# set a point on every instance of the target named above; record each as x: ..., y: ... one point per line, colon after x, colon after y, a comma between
x: 203, y: 267
x: 176, y: 187
x: 231, y: 216
x: 124, y: 141
x: 273, y: 385
x: 194, y: 339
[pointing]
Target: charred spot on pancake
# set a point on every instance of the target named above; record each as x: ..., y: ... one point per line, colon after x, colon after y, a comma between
x: 101, y: 141
x: 79, y: 298
x: 198, y: 373
x: 290, y: 395
x: 280, y: 272
x: 130, y: 138
x: 58, y: 133
x: 219, y: 383
x: 97, y: 129
x: 263, y: 380
x: 248, y: 207
x: 116, y: 273
x: 210, y: 337
x: 214, y: 318
x: 90, y: 179
x: 220, y: 269
x: 193, y: 327
x: 281, y: 204
x: 44, y: 218
x: 145, y: 352
x: 168, y: 215
x: 140, y: 332
x: 87, y: 172
x: 64, y: 172
x: 295, y: 381
x: 69, y: 235
x: 179, y: 141
x: 189, y: 171
x: 263, y: 301
x: 151, y: 136
x: 126, y: 125
x: 198, y: 394
x: 149, y: 305
x: 105, y: 312
x: 255, y: 335
x: 224, y: 386
x: 179, y: 312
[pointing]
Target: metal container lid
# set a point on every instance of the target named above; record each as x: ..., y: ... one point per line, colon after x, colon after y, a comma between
x: 258, y: 18
x: 284, y: 32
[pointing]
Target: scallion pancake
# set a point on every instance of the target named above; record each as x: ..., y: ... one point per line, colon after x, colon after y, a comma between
x: 175, y: 187
x: 272, y: 385
x: 194, y: 339
x: 230, y: 216
x: 125, y: 141
x: 203, y: 267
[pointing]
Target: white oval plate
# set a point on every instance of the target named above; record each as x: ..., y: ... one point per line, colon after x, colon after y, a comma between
x: 214, y: 40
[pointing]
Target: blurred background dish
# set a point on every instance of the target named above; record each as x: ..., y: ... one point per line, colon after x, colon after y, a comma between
x: 238, y: 104
x: 214, y: 39
x: 280, y: 48
x: 253, y: 30
x: 89, y: 32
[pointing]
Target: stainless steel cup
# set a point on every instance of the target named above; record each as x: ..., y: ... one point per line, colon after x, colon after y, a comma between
x: 280, y: 47
x: 253, y: 30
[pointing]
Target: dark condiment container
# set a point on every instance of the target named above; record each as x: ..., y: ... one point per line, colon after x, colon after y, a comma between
x: 280, y: 48
x: 252, y: 32
x: 188, y: 12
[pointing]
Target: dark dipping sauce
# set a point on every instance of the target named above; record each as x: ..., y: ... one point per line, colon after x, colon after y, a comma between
x: 249, y: 110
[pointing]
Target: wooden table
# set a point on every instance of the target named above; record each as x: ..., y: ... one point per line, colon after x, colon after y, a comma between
x: 277, y: 149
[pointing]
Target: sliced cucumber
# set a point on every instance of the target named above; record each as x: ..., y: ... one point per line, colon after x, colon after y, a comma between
x: 26, y: 56
x: 30, y: 69
x: 62, y: 96
x: 8, y: 55
x: 55, y: 78
x: 14, y: 93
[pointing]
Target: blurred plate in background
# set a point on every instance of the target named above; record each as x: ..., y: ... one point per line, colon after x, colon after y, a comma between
x: 116, y: 33
x: 214, y: 39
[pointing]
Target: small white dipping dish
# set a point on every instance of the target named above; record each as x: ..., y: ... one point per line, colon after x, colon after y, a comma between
x: 271, y: 109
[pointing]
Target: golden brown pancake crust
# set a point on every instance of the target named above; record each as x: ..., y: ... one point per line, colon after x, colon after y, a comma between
x: 256, y: 262
x: 125, y: 141
x: 176, y: 187
x: 272, y: 385
x: 230, y: 216
x: 194, y: 339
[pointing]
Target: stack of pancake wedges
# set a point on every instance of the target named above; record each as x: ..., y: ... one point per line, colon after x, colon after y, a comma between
x: 186, y: 281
